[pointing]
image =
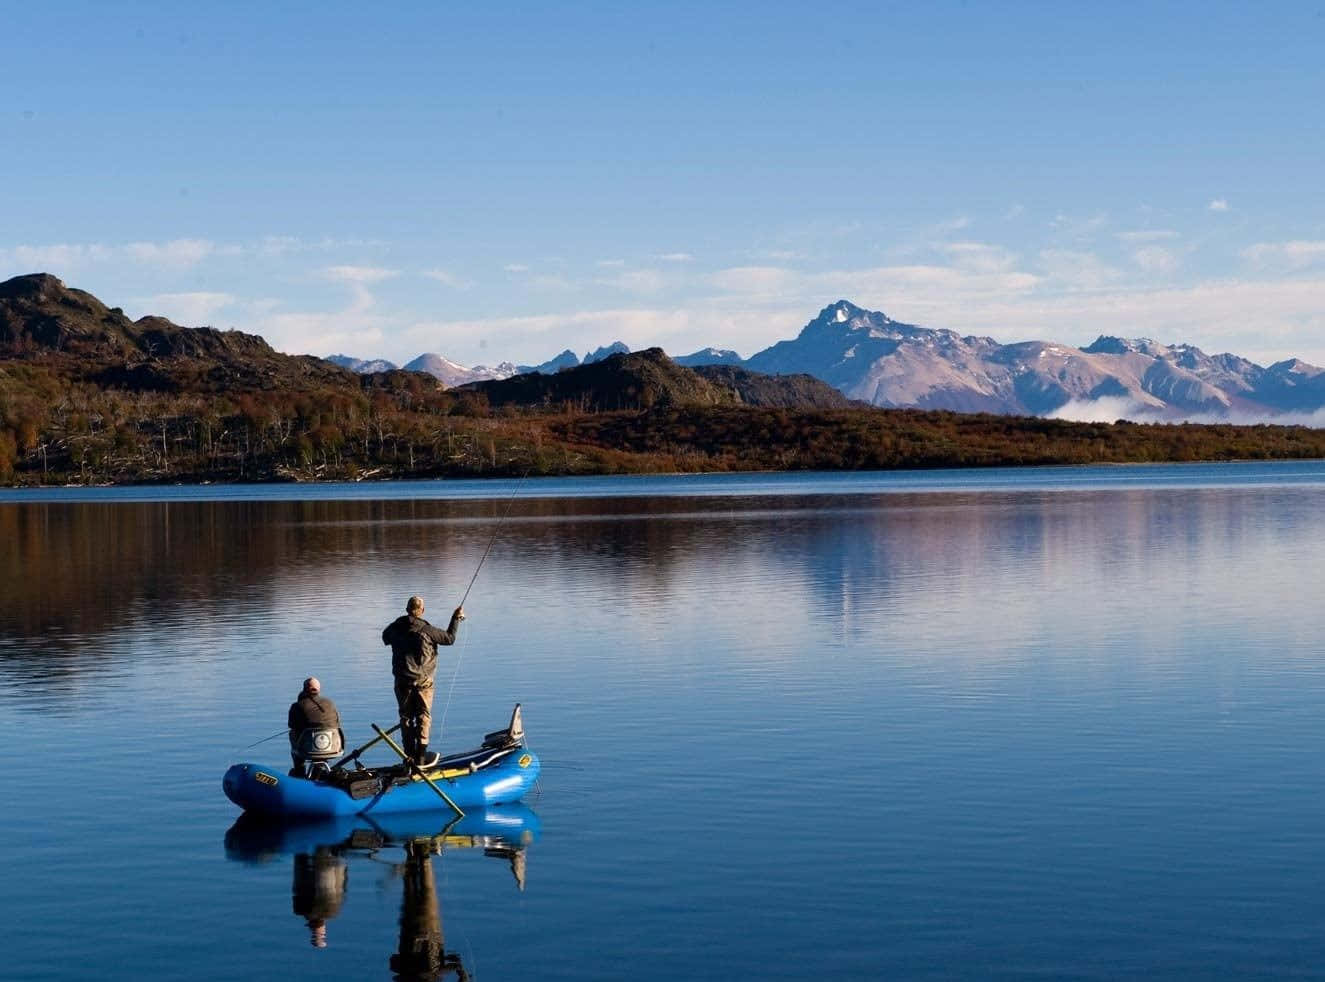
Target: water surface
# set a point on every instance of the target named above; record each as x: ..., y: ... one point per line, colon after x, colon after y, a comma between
x: 1053, y: 723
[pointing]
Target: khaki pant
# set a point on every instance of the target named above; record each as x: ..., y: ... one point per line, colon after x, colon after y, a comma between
x: 414, y: 700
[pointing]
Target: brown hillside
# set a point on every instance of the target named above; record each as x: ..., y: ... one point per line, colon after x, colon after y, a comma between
x: 42, y: 321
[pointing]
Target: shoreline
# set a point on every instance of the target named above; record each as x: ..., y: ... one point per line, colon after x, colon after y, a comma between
x: 1041, y: 477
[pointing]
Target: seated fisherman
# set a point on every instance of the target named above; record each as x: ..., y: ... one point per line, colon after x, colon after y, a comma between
x: 315, y: 734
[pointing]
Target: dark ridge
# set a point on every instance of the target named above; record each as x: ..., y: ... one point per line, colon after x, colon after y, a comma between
x: 44, y: 322
x: 643, y: 379
x: 637, y: 380
x: 774, y: 391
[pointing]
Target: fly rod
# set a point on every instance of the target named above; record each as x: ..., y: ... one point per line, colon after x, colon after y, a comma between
x: 265, y: 739
x: 500, y: 522
x: 484, y: 558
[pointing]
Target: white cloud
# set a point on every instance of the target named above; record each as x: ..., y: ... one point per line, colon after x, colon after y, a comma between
x: 1266, y: 320
x: 447, y: 278
x: 1077, y: 227
x: 356, y: 330
x: 551, y: 282
x: 362, y: 275
x: 281, y: 245
x: 172, y: 255
x: 921, y: 294
x: 322, y: 333
x: 611, y: 263
x: 676, y: 257
x: 1107, y: 409
x: 1148, y: 235
x: 59, y: 259
x: 954, y: 224
x: 757, y: 281
x: 1291, y: 256
x: 885, y: 286
x: 64, y: 258
x: 1218, y: 204
x: 754, y: 306
x: 641, y: 281
x: 1076, y: 270
x: 175, y: 254
x: 516, y: 268
x: 189, y: 309
x: 1156, y: 259
x: 979, y: 257
x: 534, y: 338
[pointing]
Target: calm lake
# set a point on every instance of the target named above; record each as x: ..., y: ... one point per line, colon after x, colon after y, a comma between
x: 1050, y: 723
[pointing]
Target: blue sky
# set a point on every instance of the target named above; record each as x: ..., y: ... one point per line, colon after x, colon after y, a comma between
x: 506, y: 182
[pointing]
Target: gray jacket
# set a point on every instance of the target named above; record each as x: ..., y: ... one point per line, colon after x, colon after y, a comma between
x: 414, y: 644
x: 317, y: 712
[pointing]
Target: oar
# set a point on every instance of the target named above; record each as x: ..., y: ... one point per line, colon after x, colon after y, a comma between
x: 353, y: 755
x: 416, y: 769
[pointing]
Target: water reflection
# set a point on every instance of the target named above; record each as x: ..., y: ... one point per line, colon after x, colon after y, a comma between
x: 76, y: 576
x: 319, y: 889
x: 407, y: 844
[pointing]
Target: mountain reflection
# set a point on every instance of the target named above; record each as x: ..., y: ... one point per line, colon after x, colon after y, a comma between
x: 77, y: 575
x: 323, y: 852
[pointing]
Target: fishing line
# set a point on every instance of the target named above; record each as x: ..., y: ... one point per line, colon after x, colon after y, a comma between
x: 441, y: 727
x: 501, y: 521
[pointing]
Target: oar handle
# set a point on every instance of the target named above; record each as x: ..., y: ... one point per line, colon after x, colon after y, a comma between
x: 354, y: 754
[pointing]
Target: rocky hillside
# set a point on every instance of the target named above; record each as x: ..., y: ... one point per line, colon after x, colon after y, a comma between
x: 46, y: 323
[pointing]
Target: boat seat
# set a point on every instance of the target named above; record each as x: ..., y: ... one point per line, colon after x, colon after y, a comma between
x: 512, y: 736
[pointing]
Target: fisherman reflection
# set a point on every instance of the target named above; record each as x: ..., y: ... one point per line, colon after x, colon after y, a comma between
x: 422, y: 954
x: 322, y: 853
x: 319, y: 890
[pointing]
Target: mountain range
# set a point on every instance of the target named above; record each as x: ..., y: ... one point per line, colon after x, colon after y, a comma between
x: 74, y: 337
x: 645, y: 379
x: 89, y: 395
x: 870, y: 357
x: 451, y: 374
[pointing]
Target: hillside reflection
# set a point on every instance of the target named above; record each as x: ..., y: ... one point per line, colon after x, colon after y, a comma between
x: 75, y: 575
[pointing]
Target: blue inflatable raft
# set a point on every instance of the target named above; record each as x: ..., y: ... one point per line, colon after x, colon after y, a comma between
x: 500, y: 771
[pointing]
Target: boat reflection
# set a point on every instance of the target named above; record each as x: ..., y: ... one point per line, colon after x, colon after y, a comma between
x: 323, y: 851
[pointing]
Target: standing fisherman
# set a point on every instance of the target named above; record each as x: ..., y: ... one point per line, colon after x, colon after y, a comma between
x: 414, y: 644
